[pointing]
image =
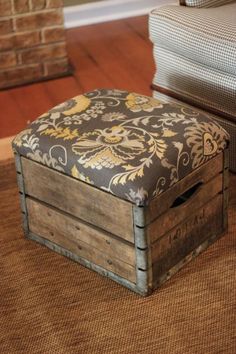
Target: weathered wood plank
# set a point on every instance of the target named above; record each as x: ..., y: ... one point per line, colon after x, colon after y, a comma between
x: 59, y: 236
x: 104, y: 272
x: 21, y: 187
x: 79, y: 199
x: 175, y: 215
x: 158, y: 281
x: 175, y: 245
x: 55, y: 225
x: 226, y: 187
x: 163, y: 202
x: 143, y: 253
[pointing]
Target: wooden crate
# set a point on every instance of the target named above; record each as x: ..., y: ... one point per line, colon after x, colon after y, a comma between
x: 139, y: 247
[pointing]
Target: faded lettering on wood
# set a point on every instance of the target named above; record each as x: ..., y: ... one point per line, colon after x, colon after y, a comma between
x: 79, y: 199
x: 177, y: 214
x: 184, y: 238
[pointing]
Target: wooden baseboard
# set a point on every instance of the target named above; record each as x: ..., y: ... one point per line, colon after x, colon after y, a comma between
x: 109, y: 10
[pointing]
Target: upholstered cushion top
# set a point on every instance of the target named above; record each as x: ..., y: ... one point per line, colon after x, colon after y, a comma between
x: 130, y: 145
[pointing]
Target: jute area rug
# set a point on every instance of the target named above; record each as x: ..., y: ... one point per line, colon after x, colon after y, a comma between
x: 49, y: 304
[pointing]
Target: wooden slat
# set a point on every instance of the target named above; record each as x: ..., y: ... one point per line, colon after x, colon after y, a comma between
x: 70, y: 234
x: 179, y: 242
x: 203, y: 174
x: 50, y: 220
x: 90, y: 265
x: 226, y: 187
x: 175, y: 215
x: 79, y: 199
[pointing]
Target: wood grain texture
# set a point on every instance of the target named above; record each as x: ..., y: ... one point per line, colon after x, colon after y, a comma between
x: 79, y: 199
x: 94, y: 257
x: 21, y: 189
x: 86, y: 263
x: 226, y: 187
x: 176, y: 215
x: 188, y: 235
x: 202, y: 174
x: 62, y: 229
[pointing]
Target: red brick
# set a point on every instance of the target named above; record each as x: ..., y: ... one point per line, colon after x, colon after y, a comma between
x: 40, y: 54
x: 6, y: 26
x: 39, y: 20
x: 21, y: 40
x: 7, y: 59
x: 56, y: 67
x: 21, y: 6
x: 24, y: 40
x: 37, y: 5
x: 55, y: 34
x: 7, y: 42
x: 54, y: 3
x: 5, y: 8
x: 20, y: 75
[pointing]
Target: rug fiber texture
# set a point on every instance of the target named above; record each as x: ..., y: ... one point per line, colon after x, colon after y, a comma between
x: 49, y: 304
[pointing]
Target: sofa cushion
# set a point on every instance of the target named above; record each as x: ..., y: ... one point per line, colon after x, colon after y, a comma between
x: 127, y: 144
x: 199, y: 84
x: 205, y: 3
x: 206, y: 36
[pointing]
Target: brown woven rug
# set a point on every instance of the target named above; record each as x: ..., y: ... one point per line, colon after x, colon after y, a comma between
x: 48, y: 304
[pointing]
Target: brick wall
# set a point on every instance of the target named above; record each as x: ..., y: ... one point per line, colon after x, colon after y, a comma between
x: 32, y: 41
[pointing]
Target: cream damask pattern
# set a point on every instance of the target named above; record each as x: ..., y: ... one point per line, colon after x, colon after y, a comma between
x: 127, y: 144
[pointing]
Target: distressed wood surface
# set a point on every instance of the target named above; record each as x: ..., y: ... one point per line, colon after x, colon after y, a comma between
x: 176, y: 245
x: 163, y: 202
x: 175, y: 215
x: 185, y: 237
x: 55, y: 225
x: 143, y: 253
x: 21, y: 189
x: 86, y: 263
x: 79, y: 199
x: 226, y: 187
x: 79, y: 248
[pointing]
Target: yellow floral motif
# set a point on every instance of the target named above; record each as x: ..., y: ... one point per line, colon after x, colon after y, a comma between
x: 209, y: 144
x: 130, y: 145
x: 18, y: 141
x: 63, y: 133
x: 138, y: 103
x: 108, y: 148
x: 73, y: 106
x: 76, y: 174
x: 205, y: 139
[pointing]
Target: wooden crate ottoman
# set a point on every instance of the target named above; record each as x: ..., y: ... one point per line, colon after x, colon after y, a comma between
x: 124, y: 184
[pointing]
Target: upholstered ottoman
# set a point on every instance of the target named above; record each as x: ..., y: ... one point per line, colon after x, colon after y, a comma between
x: 124, y: 184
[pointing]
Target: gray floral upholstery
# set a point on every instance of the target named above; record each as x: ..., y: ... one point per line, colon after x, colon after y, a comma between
x: 130, y: 145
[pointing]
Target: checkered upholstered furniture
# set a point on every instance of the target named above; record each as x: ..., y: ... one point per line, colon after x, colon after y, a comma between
x: 195, y: 55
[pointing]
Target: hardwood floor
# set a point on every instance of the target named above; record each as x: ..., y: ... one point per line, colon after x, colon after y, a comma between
x: 115, y: 54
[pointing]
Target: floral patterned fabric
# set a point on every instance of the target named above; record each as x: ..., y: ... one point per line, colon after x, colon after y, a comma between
x: 130, y: 145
